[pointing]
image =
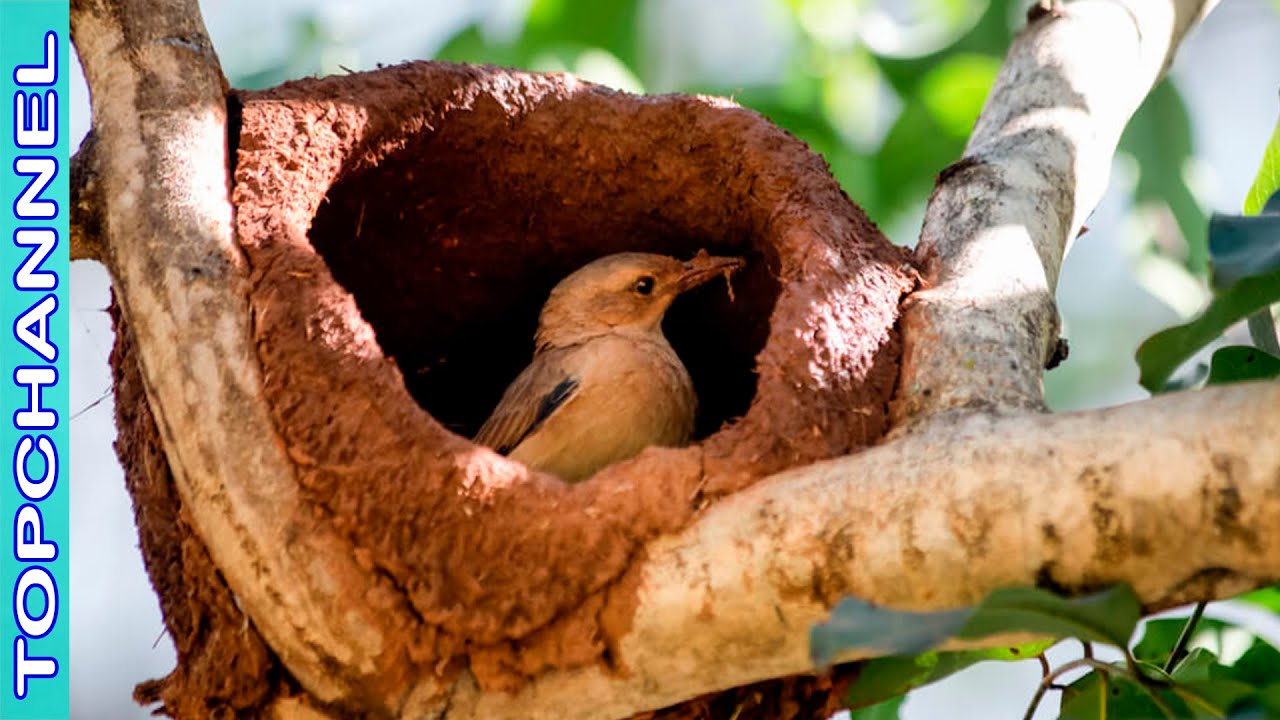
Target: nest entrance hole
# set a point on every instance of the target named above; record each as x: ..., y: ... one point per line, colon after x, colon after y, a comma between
x: 451, y: 243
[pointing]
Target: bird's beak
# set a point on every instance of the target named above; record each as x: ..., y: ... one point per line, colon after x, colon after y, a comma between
x: 704, y: 267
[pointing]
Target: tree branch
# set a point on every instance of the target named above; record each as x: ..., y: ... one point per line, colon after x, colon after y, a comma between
x: 160, y: 122
x: 1002, y: 217
x: 937, y: 519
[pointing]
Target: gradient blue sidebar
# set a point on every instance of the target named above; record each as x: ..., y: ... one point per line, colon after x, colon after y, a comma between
x: 34, y: 637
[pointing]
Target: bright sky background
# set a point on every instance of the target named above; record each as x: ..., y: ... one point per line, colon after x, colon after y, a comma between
x: 1228, y: 71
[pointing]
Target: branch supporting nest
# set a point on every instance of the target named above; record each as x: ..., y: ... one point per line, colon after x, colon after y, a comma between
x: 160, y: 127
x: 937, y: 519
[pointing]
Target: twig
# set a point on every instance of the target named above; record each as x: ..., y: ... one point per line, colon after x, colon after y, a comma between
x: 1184, y: 637
x: 1104, y: 687
x: 1098, y: 665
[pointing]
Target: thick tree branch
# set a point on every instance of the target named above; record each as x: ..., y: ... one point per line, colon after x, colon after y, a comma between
x: 160, y: 124
x: 938, y: 519
x: 1001, y: 218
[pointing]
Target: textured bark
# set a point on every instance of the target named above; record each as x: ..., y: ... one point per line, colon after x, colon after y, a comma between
x: 1002, y: 216
x: 680, y: 573
x: 937, y: 519
x: 158, y: 100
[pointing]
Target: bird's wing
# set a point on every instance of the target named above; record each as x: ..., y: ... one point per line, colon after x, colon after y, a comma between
x: 543, y: 387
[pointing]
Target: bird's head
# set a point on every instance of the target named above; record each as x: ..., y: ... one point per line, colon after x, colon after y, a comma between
x: 629, y: 291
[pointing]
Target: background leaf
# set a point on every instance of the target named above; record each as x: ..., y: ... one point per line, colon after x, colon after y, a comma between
x: 1267, y: 597
x: 1086, y: 698
x: 1159, y: 637
x: 887, y: 710
x: 1243, y: 245
x: 856, y: 624
x: 1124, y: 699
x: 1109, y: 616
x: 1268, y: 180
x: 1163, y: 352
x: 1241, y: 363
x: 887, y: 677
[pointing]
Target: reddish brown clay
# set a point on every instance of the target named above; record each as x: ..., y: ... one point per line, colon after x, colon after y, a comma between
x: 404, y: 226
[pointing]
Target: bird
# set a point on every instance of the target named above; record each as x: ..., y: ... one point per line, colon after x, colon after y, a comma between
x: 604, y: 383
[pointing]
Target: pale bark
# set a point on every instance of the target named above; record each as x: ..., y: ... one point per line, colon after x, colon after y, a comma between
x: 1151, y: 494
x: 1178, y: 496
x: 1002, y: 217
x: 159, y: 112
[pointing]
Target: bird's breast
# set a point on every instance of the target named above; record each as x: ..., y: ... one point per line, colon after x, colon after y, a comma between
x: 632, y: 393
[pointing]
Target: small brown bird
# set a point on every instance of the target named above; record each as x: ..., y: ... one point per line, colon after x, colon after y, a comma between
x: 604, y: 382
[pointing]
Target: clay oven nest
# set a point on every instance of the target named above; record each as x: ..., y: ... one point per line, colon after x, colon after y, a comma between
x: 402, y: 228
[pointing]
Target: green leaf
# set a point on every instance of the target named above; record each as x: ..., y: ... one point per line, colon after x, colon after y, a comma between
x: 1241, y: 363
x: 1163, y: 352
x: 1267, y: 182
x: 1212, y: 698
x: 1090, y: 699
x: 1159, y: 637
x: 887, y: 710
x: 1200, y: 683
x: 1258, y: 666
x: 888, y: 677
x: 856, y: 624
x: 1195, y: 667
x: 1243, y: 245
x: 1267, y: 597
x: 1109, y: 616
x: 1269, y: 698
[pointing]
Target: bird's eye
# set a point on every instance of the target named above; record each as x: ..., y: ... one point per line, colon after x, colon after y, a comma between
x: 644, y: 285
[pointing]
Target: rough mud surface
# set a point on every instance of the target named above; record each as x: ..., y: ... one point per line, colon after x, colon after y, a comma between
x: 403, y: 227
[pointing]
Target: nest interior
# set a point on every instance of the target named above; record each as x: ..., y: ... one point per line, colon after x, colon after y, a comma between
x: 402, y: 228
x: 451, y: 244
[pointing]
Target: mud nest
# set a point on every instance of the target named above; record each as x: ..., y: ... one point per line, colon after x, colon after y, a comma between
x: 402, y: 228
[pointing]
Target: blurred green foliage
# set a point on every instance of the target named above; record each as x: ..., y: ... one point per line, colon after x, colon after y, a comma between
x: 886, y: 92
x: 832, y: 89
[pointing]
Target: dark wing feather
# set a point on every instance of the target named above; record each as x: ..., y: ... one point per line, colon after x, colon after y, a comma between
x: 537, y: 393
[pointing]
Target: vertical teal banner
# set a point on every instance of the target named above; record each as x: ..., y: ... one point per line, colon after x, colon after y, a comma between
x: 34, y: 525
